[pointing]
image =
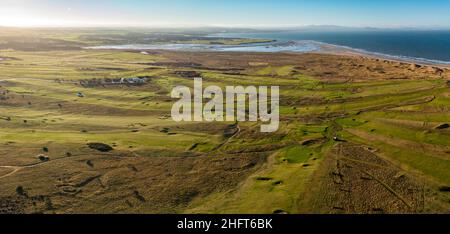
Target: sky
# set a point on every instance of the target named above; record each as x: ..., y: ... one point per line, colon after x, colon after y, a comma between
x: 228, y: 13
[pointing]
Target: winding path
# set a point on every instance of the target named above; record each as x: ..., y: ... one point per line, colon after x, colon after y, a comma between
x: 14, y: 170
x: 238, y: 130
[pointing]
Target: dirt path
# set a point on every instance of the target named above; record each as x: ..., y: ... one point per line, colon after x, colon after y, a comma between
x: 229, y: 139
x: 13, y: 168
x: 16, y: 169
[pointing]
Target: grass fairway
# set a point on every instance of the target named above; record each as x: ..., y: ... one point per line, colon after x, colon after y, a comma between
x: 343, y: 129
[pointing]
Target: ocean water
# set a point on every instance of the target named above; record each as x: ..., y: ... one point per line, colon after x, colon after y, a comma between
x: 421, y: 45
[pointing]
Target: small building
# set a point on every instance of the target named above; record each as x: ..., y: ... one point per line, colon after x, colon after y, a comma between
x: 133, y: 80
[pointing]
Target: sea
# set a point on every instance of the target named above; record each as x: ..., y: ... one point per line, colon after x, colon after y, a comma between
x: 421, y: 45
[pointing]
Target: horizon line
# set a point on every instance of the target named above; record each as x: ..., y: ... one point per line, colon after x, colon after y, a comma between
x: 225, y: 26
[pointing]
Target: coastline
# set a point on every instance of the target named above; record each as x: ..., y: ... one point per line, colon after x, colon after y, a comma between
x: 343, y: 47
x: 343, y: 50
x: 302, y: 46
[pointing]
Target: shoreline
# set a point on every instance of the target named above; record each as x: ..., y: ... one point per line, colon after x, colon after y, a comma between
x: 343, y: 50
x: 297, y: 47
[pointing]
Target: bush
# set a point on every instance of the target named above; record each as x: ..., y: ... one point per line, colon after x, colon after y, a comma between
x: 21, y: 191
x: 100, y: 147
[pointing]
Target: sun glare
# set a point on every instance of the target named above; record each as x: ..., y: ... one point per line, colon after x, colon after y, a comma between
x: 26, y: 21
x: 20, y: 17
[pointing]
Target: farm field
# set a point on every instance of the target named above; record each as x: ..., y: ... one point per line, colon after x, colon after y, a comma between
x: 357, y: 134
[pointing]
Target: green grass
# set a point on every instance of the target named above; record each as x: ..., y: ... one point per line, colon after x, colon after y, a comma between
x: 296, y: 154
x: 275, y: 71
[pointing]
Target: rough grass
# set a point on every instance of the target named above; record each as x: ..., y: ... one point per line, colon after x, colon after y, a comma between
x: 321, y: 104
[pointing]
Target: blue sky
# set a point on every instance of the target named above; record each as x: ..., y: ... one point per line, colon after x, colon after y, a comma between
x: 256, y: 13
